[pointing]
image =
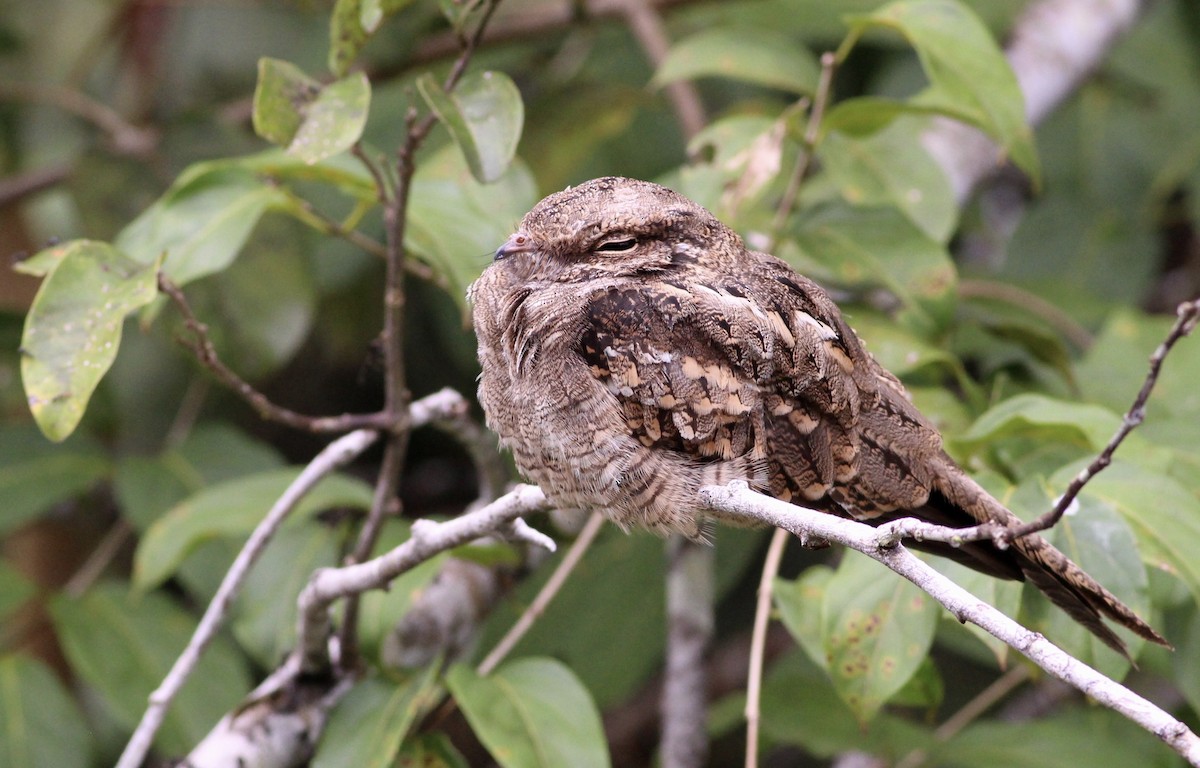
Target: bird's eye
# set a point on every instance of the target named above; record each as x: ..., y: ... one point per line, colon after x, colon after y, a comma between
x: 616, y: 246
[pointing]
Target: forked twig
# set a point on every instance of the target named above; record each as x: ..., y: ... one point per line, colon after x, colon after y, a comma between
x: 1187, y: 316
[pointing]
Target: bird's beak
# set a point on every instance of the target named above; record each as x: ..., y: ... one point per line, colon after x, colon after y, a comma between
x: 518, y: 243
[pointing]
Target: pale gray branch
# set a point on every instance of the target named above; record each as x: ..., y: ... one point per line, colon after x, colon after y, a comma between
x: 333, y: 456
x: 428, y: 539
x: 689, y: 631
x: 737, y: 501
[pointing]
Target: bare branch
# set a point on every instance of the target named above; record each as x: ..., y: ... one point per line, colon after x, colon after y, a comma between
x: 690, y: 567
x: 737, y: 500
x: 335, y: 454
x: 428, y: 539
x: 396, y: 394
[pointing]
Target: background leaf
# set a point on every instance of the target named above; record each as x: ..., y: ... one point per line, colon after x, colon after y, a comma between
x: 456, y: 223
x: 309, y: 119
x: 531, y: 712
x: 484, y: 114
x: 774, y: 60
x: 969, y: 76
x: 876, y: 629
x: 368, y: 726
x: 35, y: 474
x: 73, y: 329
x: 124, y: 647
x: 42, y: 726
x: 232, y: 507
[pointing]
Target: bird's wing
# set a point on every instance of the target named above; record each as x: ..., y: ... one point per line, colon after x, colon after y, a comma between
x: 725, y: 370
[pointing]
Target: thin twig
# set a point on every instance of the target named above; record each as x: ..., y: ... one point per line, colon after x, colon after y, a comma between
x: 1188, y: 314
x: 758, y: 642
x: 333, y: 456
x: 99, y: 559
x: 125, y: 137
x: 1030, y: 302
x: 551, y: 588
x: 737, y: 500
x: 985, y: 700
x: 396, y: 395
x: 646, y: 24
x: 812, y: 132
x: 206, y: 353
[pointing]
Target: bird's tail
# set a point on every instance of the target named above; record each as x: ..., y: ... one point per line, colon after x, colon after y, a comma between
x: 1032, y: 557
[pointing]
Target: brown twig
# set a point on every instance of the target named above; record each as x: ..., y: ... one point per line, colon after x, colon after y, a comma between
x: 808, y: 148
x: 646, y: 24
x: 125, y: 137
x: 206, y: 353
x: 396, y: 395
x: 1188, y: 315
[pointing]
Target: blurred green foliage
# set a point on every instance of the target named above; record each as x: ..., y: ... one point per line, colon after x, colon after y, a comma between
x: 140, y: 133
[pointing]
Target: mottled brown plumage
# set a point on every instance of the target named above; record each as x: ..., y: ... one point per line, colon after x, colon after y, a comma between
x: 633, y: 350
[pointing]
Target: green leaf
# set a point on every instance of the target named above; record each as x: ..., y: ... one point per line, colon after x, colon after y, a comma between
x: 432, y: 749
x: 456, y: 223
x: 262, y: 308
x: 368, y: 726
x: 309, y: 119
x: 73, y: 329
x: 1002, y: 595
x: 864, y: 116
x: 484, y: 115
x: 879, y: 246
x: 351, y: 25
x: 876, y: 629
x: 264, y: 614
x: 799, y: 605
x: 201, y: 222
x: 1164, y: 516
x: 799, y: 706
x: 147, y: 487
x: 36, y: 474
x: 40, y: 726
x: 890, y: 168
x: 531, y: 712
x: 1083, y: 424
x: 457, y: 11
x: 969, y: 76
x: 773, y: 60
x: 1071, y: 737
x: 15, y: 589
x: 230, y: 508
x: 123, y: 648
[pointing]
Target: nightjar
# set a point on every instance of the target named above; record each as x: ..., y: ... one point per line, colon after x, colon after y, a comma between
x: 633, y: 349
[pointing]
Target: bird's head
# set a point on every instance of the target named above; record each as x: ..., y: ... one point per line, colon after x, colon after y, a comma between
x: 612, y: 227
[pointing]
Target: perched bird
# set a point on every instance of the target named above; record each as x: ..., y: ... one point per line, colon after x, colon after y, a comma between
x: 633, y: 350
